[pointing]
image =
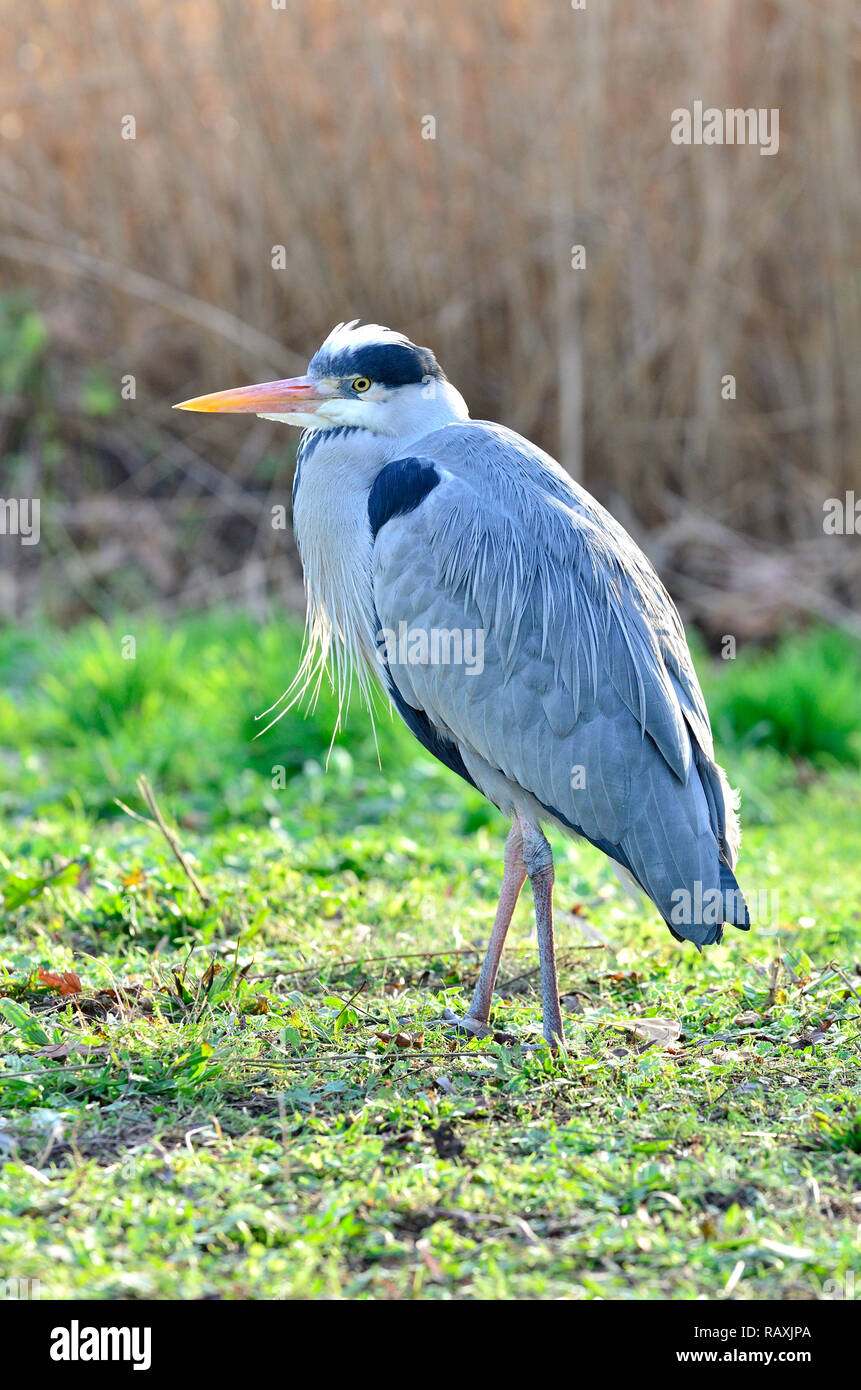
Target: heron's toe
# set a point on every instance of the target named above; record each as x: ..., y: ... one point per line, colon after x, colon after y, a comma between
x: 474, y: 1028
x: 471, y: 1026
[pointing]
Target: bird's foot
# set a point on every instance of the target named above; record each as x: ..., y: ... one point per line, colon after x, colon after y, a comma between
x: 548, y: 1040
x: 471, y: 1026
x: 475, y: 1028
x: 551, y: 1045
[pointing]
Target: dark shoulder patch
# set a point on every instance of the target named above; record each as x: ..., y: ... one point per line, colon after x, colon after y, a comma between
x: 398, y: 489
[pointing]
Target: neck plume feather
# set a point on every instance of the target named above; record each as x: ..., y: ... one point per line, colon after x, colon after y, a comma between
x: 335, y: 470
x: 330, y: 519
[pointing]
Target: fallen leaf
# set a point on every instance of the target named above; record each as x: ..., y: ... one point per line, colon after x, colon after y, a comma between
x: 67, y: 983
x: 669, y: 1197
x: 653, y: 1030
x: 815, y: 1035
x: 58, y: 1052
x: 214, y: 968
x: 402, y: 1039
x: 789, y: 1252
x: 571, y: 1003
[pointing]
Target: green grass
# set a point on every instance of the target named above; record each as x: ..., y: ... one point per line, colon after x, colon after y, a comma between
x: 254, y: 1096
x: 802, y: 702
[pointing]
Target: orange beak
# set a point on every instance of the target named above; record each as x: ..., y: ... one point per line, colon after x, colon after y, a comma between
x: 297, y: 395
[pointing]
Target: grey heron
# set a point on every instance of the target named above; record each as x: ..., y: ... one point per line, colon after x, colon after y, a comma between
x: 584, y: 711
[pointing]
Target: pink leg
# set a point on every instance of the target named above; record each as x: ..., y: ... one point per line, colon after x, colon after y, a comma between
x: 513, y: 877
x: 538, y: 859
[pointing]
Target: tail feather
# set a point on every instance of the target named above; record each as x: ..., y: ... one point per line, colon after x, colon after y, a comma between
x: 735, y: 907
x: 734, y: 910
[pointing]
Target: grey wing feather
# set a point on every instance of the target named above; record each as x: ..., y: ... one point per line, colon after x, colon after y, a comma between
x: 585, y: 660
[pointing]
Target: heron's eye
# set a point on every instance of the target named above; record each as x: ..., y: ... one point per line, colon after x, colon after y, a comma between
x: 360, y: 383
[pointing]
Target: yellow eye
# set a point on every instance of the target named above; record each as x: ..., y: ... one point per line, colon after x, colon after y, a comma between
x: 360, y: 383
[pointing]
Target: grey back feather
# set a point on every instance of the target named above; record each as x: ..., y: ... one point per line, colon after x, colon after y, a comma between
x: 585, y: 660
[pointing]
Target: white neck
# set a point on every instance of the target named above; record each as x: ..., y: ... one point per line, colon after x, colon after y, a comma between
x: 336, y: 470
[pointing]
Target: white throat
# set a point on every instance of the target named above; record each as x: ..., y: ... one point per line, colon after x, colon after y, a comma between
x: 336, y: 469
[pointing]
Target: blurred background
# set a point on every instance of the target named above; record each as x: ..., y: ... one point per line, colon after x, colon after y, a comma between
x: 304, y: 127
x: 194, y: 192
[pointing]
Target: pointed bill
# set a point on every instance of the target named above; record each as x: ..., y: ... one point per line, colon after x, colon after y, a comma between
x: 296, y: 395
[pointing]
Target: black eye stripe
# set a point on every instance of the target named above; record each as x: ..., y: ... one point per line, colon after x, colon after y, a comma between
x: 388, y: 364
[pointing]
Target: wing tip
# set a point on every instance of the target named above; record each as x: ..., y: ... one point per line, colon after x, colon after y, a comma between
x: 735, y: 914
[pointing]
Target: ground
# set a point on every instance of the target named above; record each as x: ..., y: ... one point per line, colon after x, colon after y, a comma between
x: 245, y: 1088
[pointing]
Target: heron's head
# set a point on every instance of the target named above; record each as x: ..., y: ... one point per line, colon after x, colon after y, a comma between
x: 367, y: 377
